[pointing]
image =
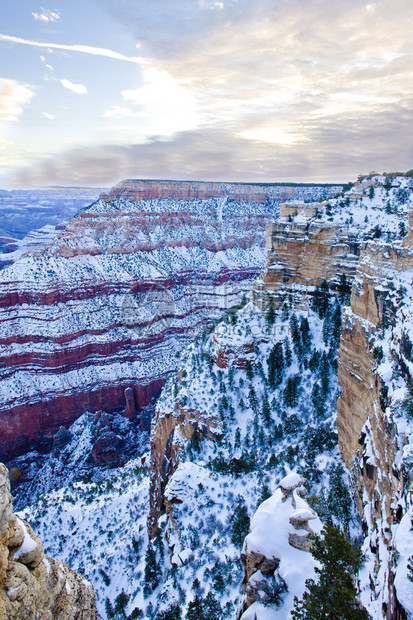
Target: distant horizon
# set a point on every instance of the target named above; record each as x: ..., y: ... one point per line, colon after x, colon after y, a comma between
x: 173, y: 180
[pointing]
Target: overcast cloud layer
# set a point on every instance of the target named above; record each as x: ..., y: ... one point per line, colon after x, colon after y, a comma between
x: 260, y: 90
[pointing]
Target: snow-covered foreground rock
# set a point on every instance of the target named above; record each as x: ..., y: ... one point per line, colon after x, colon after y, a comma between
x: 99, y: 529
x: 276, y: 552
x: 33, y: 585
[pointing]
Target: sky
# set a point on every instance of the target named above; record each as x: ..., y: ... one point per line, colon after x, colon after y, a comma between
x: 95, y: 91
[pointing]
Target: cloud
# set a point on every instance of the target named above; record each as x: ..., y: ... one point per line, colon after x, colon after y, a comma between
x: 46, y: 15
x: 50, y: 117
x: 13, y: 98
x: 118, y: 111
x: 292, y: 89
x: 84, y: 49
x: 79, y: 89
x: 213, y: 154
x: 162, y: 105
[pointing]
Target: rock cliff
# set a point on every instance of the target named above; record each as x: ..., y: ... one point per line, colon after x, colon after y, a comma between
x: 31, y: 584
x: 375, y: 366
x: 111, y: 301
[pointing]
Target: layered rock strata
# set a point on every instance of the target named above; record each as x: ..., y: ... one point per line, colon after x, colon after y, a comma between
x: 303, y: 254
x: 32, y: 585
x: 110, y: 302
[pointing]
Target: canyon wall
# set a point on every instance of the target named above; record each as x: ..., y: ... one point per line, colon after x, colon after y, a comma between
x: 375, y: 366
x: 113, y: 299
x: 303, y: 253
x: 31, y: 584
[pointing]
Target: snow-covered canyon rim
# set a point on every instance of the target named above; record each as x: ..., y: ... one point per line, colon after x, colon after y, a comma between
x: 75, y: 329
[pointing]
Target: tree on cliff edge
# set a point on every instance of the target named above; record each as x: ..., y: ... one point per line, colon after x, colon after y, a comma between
x: 334, y: 595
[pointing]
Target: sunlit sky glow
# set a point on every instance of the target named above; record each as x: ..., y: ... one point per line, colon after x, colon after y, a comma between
x: 93, y: 91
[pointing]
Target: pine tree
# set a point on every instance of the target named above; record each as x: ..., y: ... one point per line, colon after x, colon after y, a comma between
x: 152, y: 570
x: 266, y: 411
x: 253, y: 398
x: 295, y: 334
x: 410, y: 568
x: 158, y: 541
x: 326, y: 332
x: 287, y: 352
x: 291, y: 391
x: 334, y: 595
x: 120, y: 604
x: 249, y: 370
x: 318, y: 400
x: 195, y: 611
x: 336, y: 326
x: 212, y: 609
x: 265, y: 494
x: 344, y: 289
x: 109, y: 609
x: 305, y: 333
x: 320, y: 301
x: 275, y: 364
x: 324, y: 375
x: 217, y: 578
x: 173, y: 613
x: 237, y: 442
x: 194, y: 446
x: 339, y: 500
x: 270, y: 316
x: 240, y: 524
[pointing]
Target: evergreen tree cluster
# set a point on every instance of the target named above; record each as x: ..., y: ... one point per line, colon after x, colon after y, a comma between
x: 240, y: 524
x: 334, y: 595
x: 206, y: 608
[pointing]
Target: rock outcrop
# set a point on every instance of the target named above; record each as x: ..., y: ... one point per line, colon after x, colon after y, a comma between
x: 276, y: 553
x: 304, y: 253
x: 173, y: 424
x: 32, y: 585
x: 110, y: 302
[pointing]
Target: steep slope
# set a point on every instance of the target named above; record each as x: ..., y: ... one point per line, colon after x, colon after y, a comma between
x: 31, y: 584
x: 375, y: 433
x: 126, y: 286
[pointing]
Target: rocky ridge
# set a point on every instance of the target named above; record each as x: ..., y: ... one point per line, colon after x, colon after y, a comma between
x: 31, y: 584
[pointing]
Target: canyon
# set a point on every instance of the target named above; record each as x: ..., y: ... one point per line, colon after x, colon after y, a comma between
x: 289, y: 401
x: 112, y: 300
